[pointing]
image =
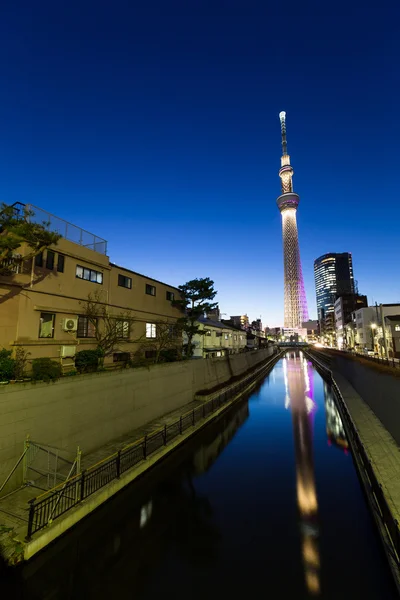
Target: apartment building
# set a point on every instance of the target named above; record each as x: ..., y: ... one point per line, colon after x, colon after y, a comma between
x: 42, y: 300
x: 365, y: 330
x: 220, y: 339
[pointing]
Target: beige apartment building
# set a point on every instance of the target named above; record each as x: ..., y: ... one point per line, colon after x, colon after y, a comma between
x: 219, y: 340
x: 41, y: 301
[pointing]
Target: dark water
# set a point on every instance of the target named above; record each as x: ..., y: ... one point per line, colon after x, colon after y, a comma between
x: 264, y: 503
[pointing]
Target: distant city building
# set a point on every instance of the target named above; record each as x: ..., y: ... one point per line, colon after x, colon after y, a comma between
x: 345, y: 305
x: 295, y: 303
x: 364, y: 332
x: 257, y: 325
x: 220, y: 339
x: 392, y: 323
x: 334, y: 277
x: 312, y: 328
x: 241, y: 321
x: 215, y: 314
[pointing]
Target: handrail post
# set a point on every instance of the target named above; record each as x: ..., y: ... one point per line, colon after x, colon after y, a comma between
x: 180, y: 424
x: 30, y: 519
x: 118, y: 464
x: 165, y: 434
x: 82, y: 494
x: 193, y: 417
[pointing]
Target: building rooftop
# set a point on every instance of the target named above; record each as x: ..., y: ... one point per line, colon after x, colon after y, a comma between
x: 218, y: 324
x: 67, y: 230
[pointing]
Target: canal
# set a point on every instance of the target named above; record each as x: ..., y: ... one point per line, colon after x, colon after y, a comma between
x: 265, y: 502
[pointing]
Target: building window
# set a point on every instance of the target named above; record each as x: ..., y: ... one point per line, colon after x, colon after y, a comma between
x: 235, y: 338
x: 39, y: 260
x: 89, y: 274
x: 218, y: 333
x: 60, y: 263
x: 150, y: 330
x: 46, y: 327
x: 150, y: 289
x: 121, y: 357
x: 170, y: 296
x: 208, y: 332
x: 86, y: 328
x: 122, y: 329
x: 397, y: 327
x: 125, y: 282
x: 50, y: 260
x: 226, y: 336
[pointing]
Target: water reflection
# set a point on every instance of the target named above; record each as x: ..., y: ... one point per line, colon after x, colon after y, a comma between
x: 334, y: 425
x: 299, y: 385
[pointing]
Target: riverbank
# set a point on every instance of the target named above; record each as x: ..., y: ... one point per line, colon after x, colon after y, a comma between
x: 64, y: 506
x: 377, y: 457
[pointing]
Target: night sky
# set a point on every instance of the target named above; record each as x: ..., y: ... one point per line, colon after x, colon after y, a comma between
x: 160, y: 133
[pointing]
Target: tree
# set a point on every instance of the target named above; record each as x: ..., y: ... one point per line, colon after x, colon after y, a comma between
x: 168, y: 337
x: 196, y: 297
x: 18, y: 230
x: 109, y: 330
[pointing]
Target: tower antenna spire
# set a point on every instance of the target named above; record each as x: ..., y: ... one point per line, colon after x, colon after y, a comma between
x: 282, y: 117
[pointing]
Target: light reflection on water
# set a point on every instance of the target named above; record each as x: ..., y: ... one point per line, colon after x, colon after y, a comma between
x: 257, y: 501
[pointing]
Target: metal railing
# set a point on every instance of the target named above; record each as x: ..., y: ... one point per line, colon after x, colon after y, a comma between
x: 391, y: 524
x: 52, y: 504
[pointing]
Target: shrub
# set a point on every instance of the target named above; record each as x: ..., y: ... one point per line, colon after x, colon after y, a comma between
x: 45, y: 369
x: 169, y: 355
x: 7, y: 365
x: 87, y: 361
x: 21, y: 360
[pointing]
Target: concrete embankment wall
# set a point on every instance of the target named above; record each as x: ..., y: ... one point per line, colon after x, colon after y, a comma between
x: 92, y: 410
x: 379, y: 390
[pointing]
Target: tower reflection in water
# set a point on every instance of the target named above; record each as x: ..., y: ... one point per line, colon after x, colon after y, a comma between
x: 299, y: 399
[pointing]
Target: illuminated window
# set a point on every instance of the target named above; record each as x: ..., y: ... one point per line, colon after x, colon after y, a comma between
x: 89, y: 274
x: 46, y: 325
x: 151, y: 330
x: 122, y: 329
x: 397, y: 327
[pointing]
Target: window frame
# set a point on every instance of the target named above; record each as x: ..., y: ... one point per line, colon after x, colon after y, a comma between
x: 39, y: 260
x: 148, y: 289
x: 86, y: 328
x: 171, y: 295
x: 50, y: 259
x: 91, y: 272
x: 53, y: 324
x: 125, y: 279
x: 123, y: 332
x: 60, y: 263
x: 152, y: 329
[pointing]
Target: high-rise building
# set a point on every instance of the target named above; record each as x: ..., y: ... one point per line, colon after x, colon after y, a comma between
x: 241, y: 321
x: 333, y: 274
x: 295, y: 303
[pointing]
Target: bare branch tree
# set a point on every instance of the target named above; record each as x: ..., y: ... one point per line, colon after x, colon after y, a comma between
x: 168, y: 337
x: 109, y: 329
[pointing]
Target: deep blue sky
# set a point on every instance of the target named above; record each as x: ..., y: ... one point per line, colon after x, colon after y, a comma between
x: 160, y: 133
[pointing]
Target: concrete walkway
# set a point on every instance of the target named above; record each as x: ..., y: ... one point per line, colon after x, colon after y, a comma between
x: 380, y: 446
x: 14, y: 507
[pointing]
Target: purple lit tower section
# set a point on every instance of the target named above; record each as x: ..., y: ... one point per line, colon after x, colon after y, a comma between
x: 296, y: 312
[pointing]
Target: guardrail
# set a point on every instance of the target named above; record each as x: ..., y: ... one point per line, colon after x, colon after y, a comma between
x: 55, y: 502
x: 391, y: 524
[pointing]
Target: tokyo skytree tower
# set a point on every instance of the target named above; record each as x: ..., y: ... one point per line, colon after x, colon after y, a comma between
x: 295, y: 298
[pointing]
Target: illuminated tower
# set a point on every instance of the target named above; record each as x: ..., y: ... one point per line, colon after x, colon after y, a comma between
x: 296, y: 312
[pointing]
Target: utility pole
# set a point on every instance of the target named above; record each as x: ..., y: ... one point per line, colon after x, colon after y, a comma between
x: 384, y: 333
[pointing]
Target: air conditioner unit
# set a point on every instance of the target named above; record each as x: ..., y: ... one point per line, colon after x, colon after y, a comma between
x: 67, y: 351
x: 69, y: 324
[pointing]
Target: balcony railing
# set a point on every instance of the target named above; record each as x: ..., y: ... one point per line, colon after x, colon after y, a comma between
x: 67, y: 230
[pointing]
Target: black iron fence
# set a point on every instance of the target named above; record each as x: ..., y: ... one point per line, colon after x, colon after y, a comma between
x: 44, y: 509
x: 391, y: 524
